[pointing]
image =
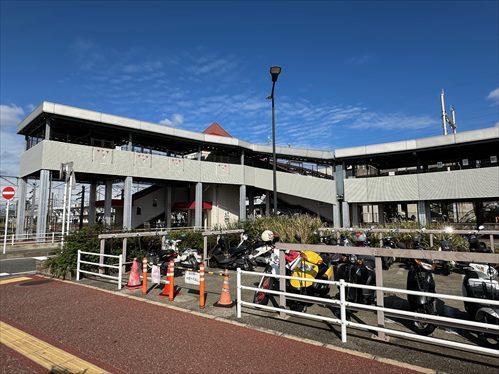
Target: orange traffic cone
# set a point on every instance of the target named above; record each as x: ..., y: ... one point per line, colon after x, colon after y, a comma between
x: 225, y: 300
x: 134, y: 279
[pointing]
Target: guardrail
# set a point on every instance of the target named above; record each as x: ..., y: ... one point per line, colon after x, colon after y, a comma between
x: 30, y: 238
x: 100, y: 265
x: 378, y: 253
x: 343, y: 304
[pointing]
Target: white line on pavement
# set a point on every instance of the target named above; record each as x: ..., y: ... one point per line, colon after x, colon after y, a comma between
x: 4, y: 274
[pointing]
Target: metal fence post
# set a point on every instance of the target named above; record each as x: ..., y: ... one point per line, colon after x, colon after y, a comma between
x: 123, y: 252
x: 120, y: 271
x: 431, y: 240
x: 12, y: 240
x: 282, y: 283
x: 378, y: 267
x: 78, y: 266
x: 205, y: 250
x: 492, y: 245
x: 53, y: 237
x: 238, y: 293
x: 343, y: 312
x: 101, y: 258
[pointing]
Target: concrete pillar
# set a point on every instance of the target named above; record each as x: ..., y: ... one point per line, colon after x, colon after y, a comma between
x: 346, y: 214
x: 381, y: 214
x: 267, y: 203
x: 242, y: 202
x: 47, y: 129
x: 251, y: 204
x: 91, y: 203
x: 455, y: 212
x: 168, y: 206
x: 198, y: 212
x: 21, y: 208
x: 127, y: 204
x: 108, y: 202
x: 355, y: 215
x: 336, y: 215
x: 43, y: 202
x: 424, y: 213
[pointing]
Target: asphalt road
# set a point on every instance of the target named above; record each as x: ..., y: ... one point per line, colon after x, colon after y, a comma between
x: 126, y: 335
x: 12, y: 266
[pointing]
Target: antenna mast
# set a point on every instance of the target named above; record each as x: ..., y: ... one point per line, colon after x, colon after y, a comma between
x: 444, y: 113
x: 445, y: 118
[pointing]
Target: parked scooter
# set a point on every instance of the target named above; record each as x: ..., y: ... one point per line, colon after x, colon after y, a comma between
x: 420, y: 278
x: 357, y: 269
x: 187, y: 258
x: 441, y: 266
x: 261, y: 249
x: 474, y: 242
x: 480, y: 281
x: 390, y: 243
x: 226, y: 257
x: 306, y: 264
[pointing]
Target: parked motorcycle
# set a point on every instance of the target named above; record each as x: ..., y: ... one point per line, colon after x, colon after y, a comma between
x: 474, y: 242
x: 480, y: 281
x: 187, y: 258
x: 226, y: 257
x: 261, y: 249
x: 306, y: 264
x: 442, y: 266
x: 420, y: 278
x: 390, y: 243
x: 357, y: 269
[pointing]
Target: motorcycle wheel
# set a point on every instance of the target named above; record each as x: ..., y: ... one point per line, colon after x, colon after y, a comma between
x: 487, y: 340
x: 424, y: 328
x: 262, y: 298
x: 296, y: 306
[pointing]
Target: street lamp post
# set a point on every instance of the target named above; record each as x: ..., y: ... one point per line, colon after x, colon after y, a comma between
x: 274, y: 72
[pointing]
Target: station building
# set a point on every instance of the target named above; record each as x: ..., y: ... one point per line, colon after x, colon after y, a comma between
x: 210, y: 179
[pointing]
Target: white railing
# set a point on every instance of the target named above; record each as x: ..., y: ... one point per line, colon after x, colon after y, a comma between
x: 100, y: 264
x: 344, y: 305
x: 32, y: 238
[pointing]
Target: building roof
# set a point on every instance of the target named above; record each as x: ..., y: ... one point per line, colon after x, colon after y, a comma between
x: 486, y: 134
x: 216, y: 129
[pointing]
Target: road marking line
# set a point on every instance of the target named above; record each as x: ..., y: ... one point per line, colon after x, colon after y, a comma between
x: 44, y: 354
x: 4, y: 274
x: 12, y: 280
x: 40, y: 258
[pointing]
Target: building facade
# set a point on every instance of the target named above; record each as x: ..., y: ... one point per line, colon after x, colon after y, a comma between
x: 211, y: 178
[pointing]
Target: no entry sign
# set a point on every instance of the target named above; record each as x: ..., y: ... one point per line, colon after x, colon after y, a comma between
x: 8, y: 192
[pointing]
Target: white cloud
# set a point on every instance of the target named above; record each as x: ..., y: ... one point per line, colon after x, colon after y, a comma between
x: 11, y: 144
x: 392, y: 121
x: 494, y: 96
x: 10, y: 115
x: 175, y: 120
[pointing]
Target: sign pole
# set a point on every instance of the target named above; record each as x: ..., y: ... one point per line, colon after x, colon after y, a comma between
x: 6, y: 226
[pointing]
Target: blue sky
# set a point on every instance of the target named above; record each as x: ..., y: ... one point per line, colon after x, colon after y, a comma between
x: 353, y: 73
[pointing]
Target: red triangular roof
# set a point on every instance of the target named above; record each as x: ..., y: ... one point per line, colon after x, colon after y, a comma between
x: 216, y: 129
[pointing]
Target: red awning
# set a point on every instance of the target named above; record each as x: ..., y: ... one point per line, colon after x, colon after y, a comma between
x: 190, y: 205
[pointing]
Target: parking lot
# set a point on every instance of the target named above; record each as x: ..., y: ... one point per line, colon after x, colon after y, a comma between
x: 436, y: 357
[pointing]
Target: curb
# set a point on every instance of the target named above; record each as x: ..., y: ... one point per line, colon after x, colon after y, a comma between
x: 368, y: 356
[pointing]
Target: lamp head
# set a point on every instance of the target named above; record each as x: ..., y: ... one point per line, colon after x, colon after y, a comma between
x: 274, y: 72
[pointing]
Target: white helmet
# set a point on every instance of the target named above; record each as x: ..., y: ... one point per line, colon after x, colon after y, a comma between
x: 267, y: 236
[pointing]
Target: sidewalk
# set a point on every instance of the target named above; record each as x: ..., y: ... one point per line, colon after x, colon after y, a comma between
x: 134, y: 336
